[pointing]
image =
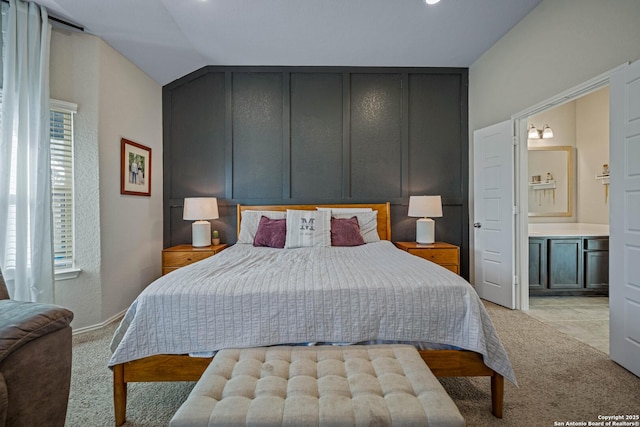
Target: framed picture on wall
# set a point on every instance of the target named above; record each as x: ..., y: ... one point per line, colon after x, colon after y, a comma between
x: 135, y: 174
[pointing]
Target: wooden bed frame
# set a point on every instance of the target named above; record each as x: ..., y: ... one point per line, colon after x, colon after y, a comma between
x: 443, y: 363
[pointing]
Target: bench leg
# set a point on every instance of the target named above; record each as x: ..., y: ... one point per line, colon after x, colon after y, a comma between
x: 119, y: 394
x: 497, y: 394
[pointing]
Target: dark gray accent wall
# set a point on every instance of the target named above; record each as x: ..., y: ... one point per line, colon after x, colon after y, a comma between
x: 290, y: 135
x: 258, y: 126
x: 317, y: 147
x: 376, y: 136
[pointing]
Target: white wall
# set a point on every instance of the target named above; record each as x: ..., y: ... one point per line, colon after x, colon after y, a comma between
x: 118, y: 237
x: 131, y: 108
x: 592, y: 143
x: 74, y: 78
x: 559, y: 45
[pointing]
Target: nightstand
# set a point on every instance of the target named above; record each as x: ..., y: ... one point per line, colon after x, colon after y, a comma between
x: 444, y: 254
x: 180, y: 255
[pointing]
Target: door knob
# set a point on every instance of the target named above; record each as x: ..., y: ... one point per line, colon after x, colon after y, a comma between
x: 477, y: 225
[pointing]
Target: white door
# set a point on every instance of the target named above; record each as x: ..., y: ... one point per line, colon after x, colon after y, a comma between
x: 493, y: 221
x: 624, y: 245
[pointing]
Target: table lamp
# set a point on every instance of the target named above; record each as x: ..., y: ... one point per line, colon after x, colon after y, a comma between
x: 200, y: 209
x: 424, y: 207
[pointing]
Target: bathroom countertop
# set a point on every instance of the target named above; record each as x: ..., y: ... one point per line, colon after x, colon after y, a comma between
x: 567, y: 229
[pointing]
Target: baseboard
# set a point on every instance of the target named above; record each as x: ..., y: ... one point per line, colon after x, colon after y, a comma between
x: 110, y: 320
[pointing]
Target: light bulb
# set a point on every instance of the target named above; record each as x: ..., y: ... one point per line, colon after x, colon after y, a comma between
x: 532, y: 132
x: 431, y: 1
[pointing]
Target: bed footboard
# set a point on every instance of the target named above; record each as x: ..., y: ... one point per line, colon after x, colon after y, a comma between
x: 456, y: 363
x: 443, y: 363
x: 151, y: 369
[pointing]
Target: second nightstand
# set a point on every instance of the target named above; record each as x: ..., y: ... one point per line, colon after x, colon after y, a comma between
x: 181, y: 255
x: 444, y: 254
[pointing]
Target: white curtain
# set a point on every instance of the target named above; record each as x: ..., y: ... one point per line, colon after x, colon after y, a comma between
x: 25, y: 173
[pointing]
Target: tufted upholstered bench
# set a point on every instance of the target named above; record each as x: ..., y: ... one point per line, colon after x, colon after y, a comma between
x: 364, y: 385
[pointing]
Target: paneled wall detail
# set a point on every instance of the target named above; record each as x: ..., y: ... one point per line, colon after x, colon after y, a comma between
x: 376, y: 136
x: 279, y: 135
x: 317, y: 148
x: 258, y: 127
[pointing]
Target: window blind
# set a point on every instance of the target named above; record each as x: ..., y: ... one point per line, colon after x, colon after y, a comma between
x: 61, y: 140
x: 61, y: 133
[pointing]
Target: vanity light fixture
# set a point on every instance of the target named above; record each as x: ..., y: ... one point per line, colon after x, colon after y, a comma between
x: 544, y: 133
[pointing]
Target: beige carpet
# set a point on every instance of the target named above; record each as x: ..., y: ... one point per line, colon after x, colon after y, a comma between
x: 560, y: 379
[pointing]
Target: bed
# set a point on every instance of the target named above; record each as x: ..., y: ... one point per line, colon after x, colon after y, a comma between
x: 250, y: 297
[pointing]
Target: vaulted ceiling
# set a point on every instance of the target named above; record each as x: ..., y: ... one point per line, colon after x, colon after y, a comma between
x: 168, y: 39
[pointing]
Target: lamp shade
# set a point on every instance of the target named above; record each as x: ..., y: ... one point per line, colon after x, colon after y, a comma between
x: 198, y: 208
x: 425, y: 206
x: 532, y: 132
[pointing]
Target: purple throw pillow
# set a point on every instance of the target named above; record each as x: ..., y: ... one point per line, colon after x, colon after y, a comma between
x: 346, y: 232
x: 271, y: 233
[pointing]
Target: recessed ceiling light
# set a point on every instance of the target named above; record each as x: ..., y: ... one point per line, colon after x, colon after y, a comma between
x: 431, y: 1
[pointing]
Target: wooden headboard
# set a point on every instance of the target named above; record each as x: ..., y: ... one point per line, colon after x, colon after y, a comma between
x: 384, y: 213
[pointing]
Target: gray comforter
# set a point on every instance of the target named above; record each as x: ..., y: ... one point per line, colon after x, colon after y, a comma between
x: 251, y: 297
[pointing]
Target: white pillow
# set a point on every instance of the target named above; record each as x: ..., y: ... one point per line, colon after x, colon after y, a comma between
x: 308, y: 228
x: 251, y: 220
x: 345, y: 210
x: 368, y: 222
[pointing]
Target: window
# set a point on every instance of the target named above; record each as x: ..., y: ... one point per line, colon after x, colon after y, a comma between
x: 61, y: 140
x: 61, y: 132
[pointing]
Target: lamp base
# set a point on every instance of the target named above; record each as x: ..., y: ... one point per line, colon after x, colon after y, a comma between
x: 201, y: 234
x: 425, y: 230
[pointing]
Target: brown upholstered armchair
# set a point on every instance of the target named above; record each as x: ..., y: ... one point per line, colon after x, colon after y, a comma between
x: 35, y: 362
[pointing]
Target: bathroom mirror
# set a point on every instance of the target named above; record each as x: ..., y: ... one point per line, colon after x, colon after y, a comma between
x: 551, y: 181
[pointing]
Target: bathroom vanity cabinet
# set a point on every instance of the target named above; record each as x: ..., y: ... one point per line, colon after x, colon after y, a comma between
x: 569, y: 265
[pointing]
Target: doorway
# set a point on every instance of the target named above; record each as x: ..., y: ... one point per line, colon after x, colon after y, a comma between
x: 571, y: 215
x: 522, y: 178
x: 624, y: 205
